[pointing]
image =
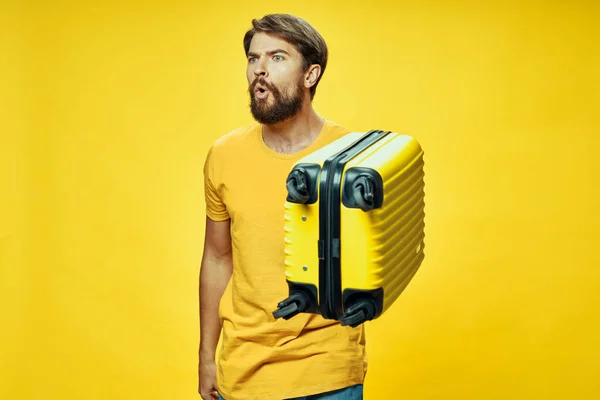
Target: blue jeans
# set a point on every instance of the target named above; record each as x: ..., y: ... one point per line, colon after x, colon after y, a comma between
x: 354, y: 392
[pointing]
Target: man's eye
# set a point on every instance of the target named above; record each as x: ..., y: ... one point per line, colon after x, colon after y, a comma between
x: 252, y: 59
x: 278, y: 58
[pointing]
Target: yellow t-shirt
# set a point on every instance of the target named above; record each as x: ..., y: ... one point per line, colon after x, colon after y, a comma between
x: 262, y: 357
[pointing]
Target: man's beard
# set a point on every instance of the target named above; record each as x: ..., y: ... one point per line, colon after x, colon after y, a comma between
x: 283, y: 107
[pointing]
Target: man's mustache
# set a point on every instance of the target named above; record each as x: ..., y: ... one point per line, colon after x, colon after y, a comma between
x: 262, y: 83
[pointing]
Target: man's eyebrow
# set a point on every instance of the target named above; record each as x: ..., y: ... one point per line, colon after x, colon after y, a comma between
x: 269, y: 53
x: 277, y: 51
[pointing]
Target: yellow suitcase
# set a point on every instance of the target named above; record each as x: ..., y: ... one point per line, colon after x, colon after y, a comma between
x: 354, y: 227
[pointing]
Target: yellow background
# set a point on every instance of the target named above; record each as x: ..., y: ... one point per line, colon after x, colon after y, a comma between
x: 108, y: 108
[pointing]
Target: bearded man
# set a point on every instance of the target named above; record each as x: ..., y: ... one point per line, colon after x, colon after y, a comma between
x: 242, y: 275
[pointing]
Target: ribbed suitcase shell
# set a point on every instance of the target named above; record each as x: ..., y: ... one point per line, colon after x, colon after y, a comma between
x: 380, y: 248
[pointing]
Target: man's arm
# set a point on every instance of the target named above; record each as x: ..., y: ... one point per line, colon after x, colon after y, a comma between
x: 215, y: 271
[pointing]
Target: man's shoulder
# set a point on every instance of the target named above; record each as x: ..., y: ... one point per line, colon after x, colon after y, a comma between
x: 236, y: 137
x: 336, y: 130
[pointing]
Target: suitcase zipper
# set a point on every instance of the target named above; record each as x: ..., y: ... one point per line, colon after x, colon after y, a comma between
x: 329, y: 224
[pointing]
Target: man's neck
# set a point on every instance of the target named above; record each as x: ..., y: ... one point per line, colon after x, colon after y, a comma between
x: 294, y: 134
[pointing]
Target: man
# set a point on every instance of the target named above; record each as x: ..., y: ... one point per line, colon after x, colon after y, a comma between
x: 242, y: 272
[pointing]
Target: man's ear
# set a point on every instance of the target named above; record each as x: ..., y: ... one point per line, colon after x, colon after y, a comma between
x: 312, y: 75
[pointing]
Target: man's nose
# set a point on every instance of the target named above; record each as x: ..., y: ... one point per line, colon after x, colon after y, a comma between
x: 261, y: 68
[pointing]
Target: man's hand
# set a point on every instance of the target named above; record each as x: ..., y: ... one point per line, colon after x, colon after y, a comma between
x: 207, y: 380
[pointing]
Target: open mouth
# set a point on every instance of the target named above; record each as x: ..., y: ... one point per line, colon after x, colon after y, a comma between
x: 260, y: 92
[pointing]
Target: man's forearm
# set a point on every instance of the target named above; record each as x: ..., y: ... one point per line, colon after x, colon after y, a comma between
x: 214, y: 276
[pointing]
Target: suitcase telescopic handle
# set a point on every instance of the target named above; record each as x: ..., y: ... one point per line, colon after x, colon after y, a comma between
x: 363, y: 192
x: 297, y: 186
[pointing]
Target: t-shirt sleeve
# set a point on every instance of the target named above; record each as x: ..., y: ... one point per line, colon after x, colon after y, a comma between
x: 215, y: 207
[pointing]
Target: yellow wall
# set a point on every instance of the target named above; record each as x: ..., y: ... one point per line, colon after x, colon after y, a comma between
x: 107, y: 112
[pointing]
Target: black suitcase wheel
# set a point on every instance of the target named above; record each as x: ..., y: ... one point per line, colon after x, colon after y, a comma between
x: 297, y: 186
x: 363, y: 192
x: 361, y: 311
x: 297, y: 302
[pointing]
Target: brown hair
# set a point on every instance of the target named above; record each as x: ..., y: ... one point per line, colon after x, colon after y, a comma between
x: 297, y: 32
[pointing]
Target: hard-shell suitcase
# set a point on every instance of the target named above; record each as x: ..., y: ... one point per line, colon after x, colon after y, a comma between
x: 354, y: 226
